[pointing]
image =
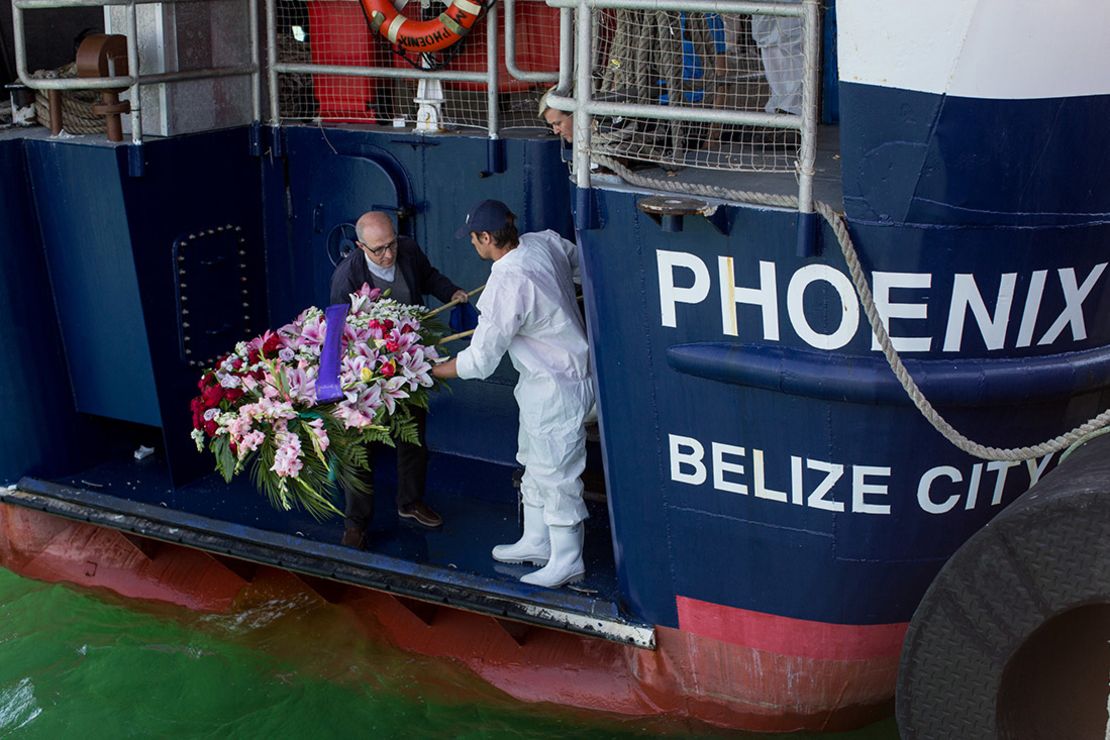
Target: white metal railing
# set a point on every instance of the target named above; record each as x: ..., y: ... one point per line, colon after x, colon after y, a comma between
x: 576, y: 56
x: 584, y: 107
x: 488, y: 77
x: 134, y: 80
x: 565, y: 16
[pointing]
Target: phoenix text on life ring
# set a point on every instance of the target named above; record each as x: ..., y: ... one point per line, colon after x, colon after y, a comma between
x: 434, y: 35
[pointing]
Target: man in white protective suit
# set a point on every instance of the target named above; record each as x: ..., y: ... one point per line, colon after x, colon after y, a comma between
x: 528, y: 309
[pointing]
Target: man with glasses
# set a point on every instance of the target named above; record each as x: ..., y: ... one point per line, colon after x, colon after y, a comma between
x: 395, y: 263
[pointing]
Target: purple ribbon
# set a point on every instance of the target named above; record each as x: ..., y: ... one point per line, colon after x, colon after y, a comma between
x: 327, y: 382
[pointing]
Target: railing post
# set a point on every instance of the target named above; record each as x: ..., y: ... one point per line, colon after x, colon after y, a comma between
x: 584, y: 205
x: 807, y: 156
x: 271, y: 62
x: 133, y: 70
x: 582, y: 97
x: 510, y: 49
x: 495, y: 147
x: 566, y: 49
x: 492, y: 113
x: 18, y: 42
x: 256, y: 77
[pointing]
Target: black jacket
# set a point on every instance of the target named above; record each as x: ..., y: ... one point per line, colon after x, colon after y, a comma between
x: 412, y: 264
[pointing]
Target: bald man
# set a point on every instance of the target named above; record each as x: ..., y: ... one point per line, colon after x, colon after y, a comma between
x: 394, y: 263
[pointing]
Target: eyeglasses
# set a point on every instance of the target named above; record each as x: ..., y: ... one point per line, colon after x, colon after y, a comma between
x: 387, y: 247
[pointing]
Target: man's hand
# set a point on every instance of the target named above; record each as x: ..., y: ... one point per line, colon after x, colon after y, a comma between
x: 445, y: 370
x: 460, y: 296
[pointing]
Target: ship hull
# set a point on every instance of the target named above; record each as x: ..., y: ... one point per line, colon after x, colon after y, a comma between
x: 764, y: 673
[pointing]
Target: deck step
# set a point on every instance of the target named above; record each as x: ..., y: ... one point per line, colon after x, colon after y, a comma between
x: 560, y: 609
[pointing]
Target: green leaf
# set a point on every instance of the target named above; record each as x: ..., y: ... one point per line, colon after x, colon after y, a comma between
x: 225, y: 459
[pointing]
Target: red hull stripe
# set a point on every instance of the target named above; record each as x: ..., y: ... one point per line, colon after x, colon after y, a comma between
x: 787, y: 636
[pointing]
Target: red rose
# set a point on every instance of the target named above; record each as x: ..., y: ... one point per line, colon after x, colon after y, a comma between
x: 388, y: 369
x: 387, y: 325
x: 210, y: 428
x: 212, y: 395
x: 206, y: 379
x: 392, y: 346
x: 272, y: 344
x: 374, y: 324
x: 233, y: 394
x: 252, y: 356
x: 236, y: 363
x: 197, y: 407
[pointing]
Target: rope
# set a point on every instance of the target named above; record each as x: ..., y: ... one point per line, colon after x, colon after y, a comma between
x: 847, y: 248
x: 77, y: 115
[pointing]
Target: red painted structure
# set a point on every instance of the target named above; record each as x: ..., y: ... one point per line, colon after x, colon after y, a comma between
x: 340, y: 35
x: 720, y: 667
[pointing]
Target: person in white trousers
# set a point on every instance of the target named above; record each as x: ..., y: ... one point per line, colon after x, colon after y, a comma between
x: 781, y: 44
x: 528, y: 309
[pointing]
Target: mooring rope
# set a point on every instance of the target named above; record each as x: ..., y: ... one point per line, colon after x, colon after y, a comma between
x: 863, y: 290
x: 77, y: 115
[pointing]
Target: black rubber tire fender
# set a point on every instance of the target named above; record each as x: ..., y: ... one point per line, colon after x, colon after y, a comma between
x: 1012, y: 639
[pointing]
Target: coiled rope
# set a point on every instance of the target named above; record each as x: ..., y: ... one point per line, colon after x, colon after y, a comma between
x: 77, y: 115
x: 863, y: 290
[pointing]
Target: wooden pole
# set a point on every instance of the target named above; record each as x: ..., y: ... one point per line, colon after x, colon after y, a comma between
x: 453, y: 337
x: 452, y: 304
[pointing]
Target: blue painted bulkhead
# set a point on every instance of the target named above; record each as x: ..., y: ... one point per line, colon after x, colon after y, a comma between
x: 41, y: 430
x: 919, y: 158
x: 121, y: 253
x: 130, y: 302
x: 85, y: 236
x: 335, y: 175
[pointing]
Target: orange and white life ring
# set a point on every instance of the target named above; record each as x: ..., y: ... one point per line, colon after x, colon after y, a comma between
x: 452, y: 24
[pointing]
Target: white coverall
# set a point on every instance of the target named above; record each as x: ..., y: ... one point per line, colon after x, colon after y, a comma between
x: 781, y: 44
x: 528, y: 309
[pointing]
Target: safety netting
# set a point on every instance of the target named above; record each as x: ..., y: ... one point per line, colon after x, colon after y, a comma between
x: 726, y: 62
x: 717, y: 61
x: 335, y: 32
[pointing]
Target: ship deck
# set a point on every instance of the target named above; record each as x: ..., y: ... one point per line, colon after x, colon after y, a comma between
x: 449, y: 566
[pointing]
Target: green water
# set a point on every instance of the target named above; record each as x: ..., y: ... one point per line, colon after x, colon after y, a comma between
x: 88, y: 665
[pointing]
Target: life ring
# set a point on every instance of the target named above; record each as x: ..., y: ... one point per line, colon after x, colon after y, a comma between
x: 452, y: 24
x: 1010, y: 640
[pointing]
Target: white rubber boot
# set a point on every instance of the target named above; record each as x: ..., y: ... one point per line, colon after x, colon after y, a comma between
x: 565, y: 565
x: 534, y: 546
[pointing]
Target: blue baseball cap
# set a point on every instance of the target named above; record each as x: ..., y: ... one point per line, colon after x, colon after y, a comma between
x: 489, y: 215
